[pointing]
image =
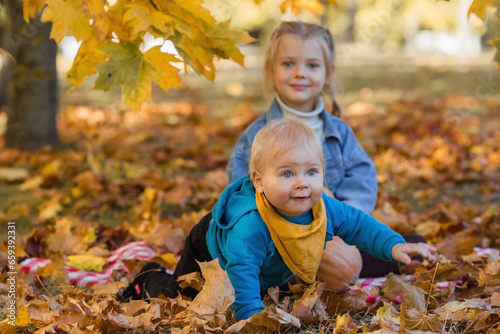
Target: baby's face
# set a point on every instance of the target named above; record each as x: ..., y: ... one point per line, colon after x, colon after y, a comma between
x: 293, y: 183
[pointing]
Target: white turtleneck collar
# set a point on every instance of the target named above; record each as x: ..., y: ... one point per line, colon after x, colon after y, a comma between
x: 311, y: 118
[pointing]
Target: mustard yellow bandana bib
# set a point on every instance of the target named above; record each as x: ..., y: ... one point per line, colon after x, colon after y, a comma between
x: 300, y: 246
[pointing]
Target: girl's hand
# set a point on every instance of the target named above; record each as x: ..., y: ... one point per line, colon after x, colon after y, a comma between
x: 403, y: 252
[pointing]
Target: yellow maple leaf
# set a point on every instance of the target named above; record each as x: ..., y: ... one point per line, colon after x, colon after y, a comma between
x: 129, y: 67
x: 103, y: 20
x: 345, y: 324
x: 388, y: 313
x: 227, y: 41
x: 85, y: 61
x: 114, y: 19
x: 187, y: 18
x: 147, y: 18
x: 31, y: 7
x: 199, y: 48
x: 66, y: 16
x: 166, y: 74
x: 22, y: 316
x: 478, y: 7
x: 86, y: 262
x: 195, y: 9
x: 169, y: 259
x: 198, y: 57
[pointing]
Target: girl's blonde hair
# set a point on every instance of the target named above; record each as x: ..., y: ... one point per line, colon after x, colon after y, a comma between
x: 279, y: 137
x: 305, y: 31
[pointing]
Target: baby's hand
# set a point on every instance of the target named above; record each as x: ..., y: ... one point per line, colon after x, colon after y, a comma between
x: 404, y: 252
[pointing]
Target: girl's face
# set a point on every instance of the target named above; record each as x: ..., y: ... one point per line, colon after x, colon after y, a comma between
x: 300, y: 72
x: 292, y: 183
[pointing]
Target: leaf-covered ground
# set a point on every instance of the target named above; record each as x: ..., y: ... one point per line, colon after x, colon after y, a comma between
x: 149, y: 176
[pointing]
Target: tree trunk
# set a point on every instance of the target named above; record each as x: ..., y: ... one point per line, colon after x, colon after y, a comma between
x: 32, y: 90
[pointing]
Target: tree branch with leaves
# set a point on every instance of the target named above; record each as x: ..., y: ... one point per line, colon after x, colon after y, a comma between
x: 112, y: 35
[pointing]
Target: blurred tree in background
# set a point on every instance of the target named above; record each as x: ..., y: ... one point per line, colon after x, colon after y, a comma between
x: 29, y: 80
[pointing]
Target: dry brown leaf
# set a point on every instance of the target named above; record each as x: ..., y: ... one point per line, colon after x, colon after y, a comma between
x: 270, y: 320
x: 309, y: 308
x: 345, y: 324
x: 160, y: 235
x: 13, y: 174
x: 217, y: 294
x: 178, y: 195
x: 171, y: 307
x: 168, y: 260
x: 49, y: 210
x: 18, y: 210
x: 431, y: 230
x: 40, y: 314
x: 54, y: 270
x: 70, y: 236
x: 489, y: 277
x: 388, y: 314
x: 411, y: 319
x: 125, y: 322
x: 274, y: 294
x: 107, y: 289
x: 390, y: 217
x: 150, y: 206
x: 86, y: 183
x: 355, y: 301
x: 193, y: 280
x: 495, y: 299
x: 482, y: 320
x: 414, y: 296
x: 453, y: 311
x: 136, y: 307
x: 460, y: 243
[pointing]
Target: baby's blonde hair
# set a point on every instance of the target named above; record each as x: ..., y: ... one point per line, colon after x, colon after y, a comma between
x: 305, y: 31
x: 279, y: 137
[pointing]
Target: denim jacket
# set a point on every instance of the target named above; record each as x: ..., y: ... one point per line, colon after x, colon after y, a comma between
x: 350, y: 174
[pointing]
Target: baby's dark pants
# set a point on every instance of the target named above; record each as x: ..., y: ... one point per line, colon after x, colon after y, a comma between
x: 153, y: 280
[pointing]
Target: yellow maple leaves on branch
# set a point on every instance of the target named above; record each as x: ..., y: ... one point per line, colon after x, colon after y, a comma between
x: 479, y: 8
x: 112, y: 35
x: 112, y: 39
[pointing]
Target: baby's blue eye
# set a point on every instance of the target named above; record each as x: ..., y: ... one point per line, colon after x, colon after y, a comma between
x: 313, y: 65
x: 311, y: 173
x: 288, y: 63
x: 287, y: 174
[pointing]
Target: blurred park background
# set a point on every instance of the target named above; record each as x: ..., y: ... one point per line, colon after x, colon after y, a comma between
x: 422, y: 48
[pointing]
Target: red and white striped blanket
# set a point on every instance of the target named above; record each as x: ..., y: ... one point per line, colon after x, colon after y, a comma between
x: 135, y: 250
